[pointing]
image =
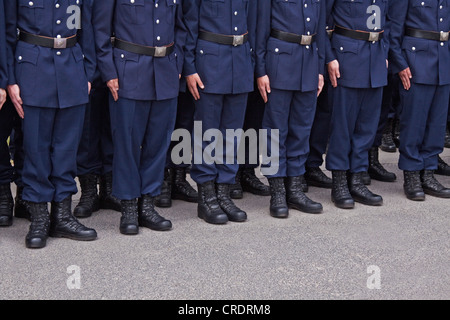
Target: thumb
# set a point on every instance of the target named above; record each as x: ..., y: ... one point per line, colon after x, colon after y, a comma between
x: 200, y: 83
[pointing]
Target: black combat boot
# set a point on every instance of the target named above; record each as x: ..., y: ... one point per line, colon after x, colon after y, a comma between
x: 376, y: 170
x: 413, y: 186
x: 387, y: 140
x: 40, y: 225
x: 89, y: 200
x: 366, y: 179
x: 251, y: 183
x: 433, y: 187
x: 297, y: 199
x: 360, y: 193
x: 149, y: 218
x: 278, y: 204
x: 107, y: 200
x: 227, y: 205
x: 397, y: 132
x: 6, y: 205
x: 181, y: 188
x: 129, y: 222
x: 164, y: 200
x: 64, y: 224
x: 340, y: 194
x: 236, y: 191
x: 315, y: 177
x: 443, y: 168
x: 447, y: 136
x: 21, y: 207
x: 208, y: 205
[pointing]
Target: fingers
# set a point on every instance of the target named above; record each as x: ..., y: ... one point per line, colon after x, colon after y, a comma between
x: 193, y: 83
x: 333, y: 71
x: 405, y: 77
x: 113, y: 86
x: 19, y: 109
x: 321, y: 84
x: 2, y: 98
x: 89, y: 87
x: 264, y: 87
x: 263, y: 93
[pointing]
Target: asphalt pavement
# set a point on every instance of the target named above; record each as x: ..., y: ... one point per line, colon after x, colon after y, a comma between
x: 398, y: 251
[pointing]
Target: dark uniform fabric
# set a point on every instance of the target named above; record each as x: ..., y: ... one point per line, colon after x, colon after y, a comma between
x: 357, y: 98
x: 226, y: 71
x: 143, y: 118
x: 293, y: 71
x: 54, y: 90
x: 95, y: 153
x: 424, y: 106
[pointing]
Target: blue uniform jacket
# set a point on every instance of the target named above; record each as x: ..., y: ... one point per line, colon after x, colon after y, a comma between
x: 3, y: 65
x: 362, y: 63
x: 51, y: 78
x: 429, y: 60
x: 224, y: 69
x: 291, y: 66
x: 153, y: 23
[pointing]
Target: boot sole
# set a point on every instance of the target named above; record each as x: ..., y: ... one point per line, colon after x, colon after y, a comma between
x: 220, y: 222
x: 345, y: 206
x: 305, y: 210
x: 437, y: 194
x: 369, y: 203
x: 71, y: 237
x: 155, y: 228
x: 389, y: 150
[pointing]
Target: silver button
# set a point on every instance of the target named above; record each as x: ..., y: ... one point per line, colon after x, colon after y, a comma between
x: 58, y: 53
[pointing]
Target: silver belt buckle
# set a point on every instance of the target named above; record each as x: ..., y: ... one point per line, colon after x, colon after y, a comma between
x: 374, y: 36
x: 306, y: 40
x: 238, y: 40
x: 60, y: 43
x: 444, y: 36
x: 160, y: 52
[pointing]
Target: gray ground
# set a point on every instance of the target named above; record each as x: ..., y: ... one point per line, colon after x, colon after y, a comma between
x: 303, y: 257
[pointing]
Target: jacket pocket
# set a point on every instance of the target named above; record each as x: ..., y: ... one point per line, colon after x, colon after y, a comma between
x: 133, y: 11
x: 127, y: 65
x: 26, y: 69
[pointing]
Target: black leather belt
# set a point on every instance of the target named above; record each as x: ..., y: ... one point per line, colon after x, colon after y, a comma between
x: 157, y: 52
x: 359, y: 35
x: 223, y: 39
x: 429, y: 35
x: 293, y: 38
x: 47, y: 42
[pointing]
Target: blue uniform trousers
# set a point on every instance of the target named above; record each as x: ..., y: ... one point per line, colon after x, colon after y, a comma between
x: 423, y: 119
x: 51, y: 139
x: 320, y: 131
x: 292, y: 113
x: 95, y: 154
x: 185, y: 120
x: 7, y: 115
x: 220, y: 112
x: 253, y: 121
x: 141, y: 132
x: 354, y: 122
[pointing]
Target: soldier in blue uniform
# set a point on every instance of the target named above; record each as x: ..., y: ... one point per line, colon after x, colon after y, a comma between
x: 420, y: 54
x: 246, y: 179
x: 290, y: 34
x: 142, y: 69
x: 50, y: 70
x: 357, y: 64
x: 176, y: 186
x: 95, y: 154
x: 220, y: 74
x: 6, y: 121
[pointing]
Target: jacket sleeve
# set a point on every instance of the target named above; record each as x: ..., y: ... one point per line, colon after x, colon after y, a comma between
x: 191, y: 9
x: 102, y: 18
x: 397, y: 12
x: 329, y: 54
x: 86, y: 38
x: 11, y: 38
x: 322, y: 37
x: 3, y: 63
x: 262, y: 36
x: 252, y: 27
x: 180, y: 36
